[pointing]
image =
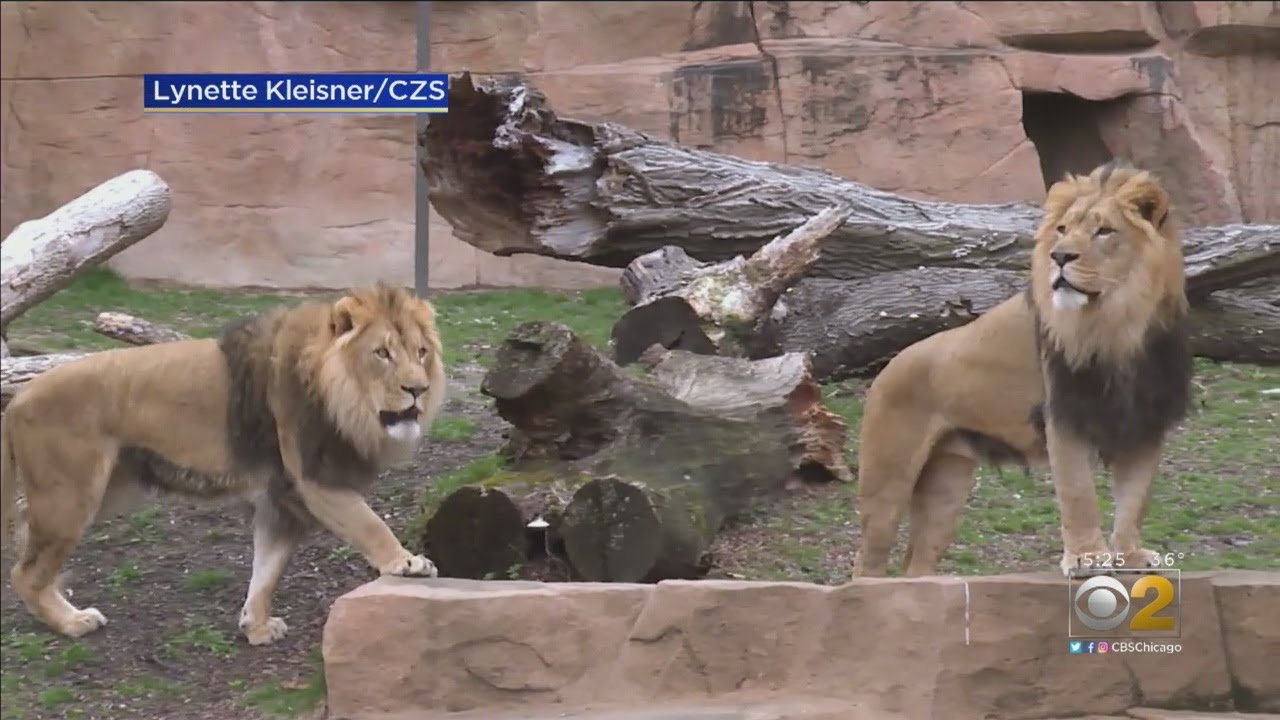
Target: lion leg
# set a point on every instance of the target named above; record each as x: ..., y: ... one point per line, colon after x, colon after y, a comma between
x: 1072, y: 470
x: 885, y: 485
x: 346, y: 514
x: 274, y: 541
x: 1132, y: 476
x: 62, y: 500
x: 939, y: 497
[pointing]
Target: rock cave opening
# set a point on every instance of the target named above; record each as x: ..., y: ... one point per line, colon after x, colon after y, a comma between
x: 1066, y: 132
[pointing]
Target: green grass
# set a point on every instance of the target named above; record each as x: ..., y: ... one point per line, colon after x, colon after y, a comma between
x: 290, y: 698
x: 200, y: 637
x: 472, y: 324
x: 452, y: 429
x: 206, y: 580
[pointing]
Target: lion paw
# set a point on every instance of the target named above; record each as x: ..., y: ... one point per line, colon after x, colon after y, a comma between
x: 265, y: 633
x: 83, y: 622
x: 411, y: 566
x: 1083, y: 560
x: 1140, y: 559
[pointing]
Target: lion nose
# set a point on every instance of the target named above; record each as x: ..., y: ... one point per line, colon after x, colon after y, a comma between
x: 1062, y: 257
x: 414, y: 390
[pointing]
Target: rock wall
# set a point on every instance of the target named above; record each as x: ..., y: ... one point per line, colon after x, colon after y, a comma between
x: 963, y: 101
x: 959, y: 648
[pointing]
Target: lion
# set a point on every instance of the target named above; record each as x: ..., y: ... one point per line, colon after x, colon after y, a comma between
x: 291, y: 413
x: 1091, y: 361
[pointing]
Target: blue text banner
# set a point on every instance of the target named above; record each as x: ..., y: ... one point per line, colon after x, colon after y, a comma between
x: 402, y: 93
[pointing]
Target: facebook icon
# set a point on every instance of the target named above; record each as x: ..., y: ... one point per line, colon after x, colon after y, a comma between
x: 1089, y: 647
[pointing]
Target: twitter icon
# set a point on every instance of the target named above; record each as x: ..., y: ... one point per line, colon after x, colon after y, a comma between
x: 1075, y: 646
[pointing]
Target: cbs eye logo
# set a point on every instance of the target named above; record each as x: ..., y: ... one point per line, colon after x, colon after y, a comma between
x: 1106, y: 603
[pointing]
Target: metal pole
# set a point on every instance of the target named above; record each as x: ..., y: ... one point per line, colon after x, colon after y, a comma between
x: 422, y: 206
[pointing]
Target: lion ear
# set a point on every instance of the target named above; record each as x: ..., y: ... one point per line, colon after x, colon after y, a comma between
x: 342, y: 317
x: 1061, y: 194
x: 1145, y: 195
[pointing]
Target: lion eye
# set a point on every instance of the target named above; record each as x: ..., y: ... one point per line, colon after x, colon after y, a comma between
x: 422, y: 352
x: 383, y: 353
x: 1104, y: 231
x: 1062, y: 229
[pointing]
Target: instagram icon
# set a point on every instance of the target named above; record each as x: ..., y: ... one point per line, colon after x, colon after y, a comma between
x: 1104, y: 647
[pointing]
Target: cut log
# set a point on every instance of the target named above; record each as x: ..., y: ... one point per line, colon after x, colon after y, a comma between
x: 16, y: 371
x: 43, y: 256
x: 725, y: 300
x: 486, y: 528
x: 644, y: 464
x: 512, y: 177
x: 135, y: 331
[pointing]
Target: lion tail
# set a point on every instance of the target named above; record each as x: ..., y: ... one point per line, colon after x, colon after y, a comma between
x: 9, y: 481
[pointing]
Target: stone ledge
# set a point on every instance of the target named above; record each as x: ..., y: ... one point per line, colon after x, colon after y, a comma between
x: 953, y: 647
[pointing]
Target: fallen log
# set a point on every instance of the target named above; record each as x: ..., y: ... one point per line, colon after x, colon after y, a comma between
x: 852, y: 328
x: 511, y: 177
x: 714, y: 309
x: 16, y: 371
x: 632, y: 471
x: 1241, y: 325
x: 43, y: 256
x: 135, y: 331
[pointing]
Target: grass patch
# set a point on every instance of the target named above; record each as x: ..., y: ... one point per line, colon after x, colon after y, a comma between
x: 290, y: 698
x: 145, y: 524
x: 452, y: 429
x: 200, y: 636
x: 123, y: 576
x: 205, y: 580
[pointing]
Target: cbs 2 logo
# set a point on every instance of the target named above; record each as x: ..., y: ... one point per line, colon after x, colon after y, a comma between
x: 1103, y: 603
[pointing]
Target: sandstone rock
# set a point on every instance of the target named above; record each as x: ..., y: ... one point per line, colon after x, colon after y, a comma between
x: 922, y: 24
x: 930, y: 100
x: 542, y: 36
x: 1159, y: 129
x: 1069, y: 26
x: 953, y: 647
x: 1092, y: 77
x: 1247, y: 603
x: 875, y: 114
x: 1224, y: 28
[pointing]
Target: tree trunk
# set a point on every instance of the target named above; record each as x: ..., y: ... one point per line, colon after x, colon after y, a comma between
x: 15, y: 371
x: 1241, y: 325
x: 512, y: 177
x: 852, y: 328
x: 633, y: 470
x: 43, y: 256
x: 135, y: 331
x: 714, y: 309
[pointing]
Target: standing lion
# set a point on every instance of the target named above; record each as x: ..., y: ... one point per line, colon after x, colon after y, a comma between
x: 1092, y: 360
x: 294, y: 411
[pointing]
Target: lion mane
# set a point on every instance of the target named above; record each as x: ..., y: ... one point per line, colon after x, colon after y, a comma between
x: 1092, y: 361
x: 293, y: 413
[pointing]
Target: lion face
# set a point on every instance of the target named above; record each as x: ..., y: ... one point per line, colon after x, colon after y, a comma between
x: 1104, y: 229
x: 385, y: 375
x: 1107, y: 261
